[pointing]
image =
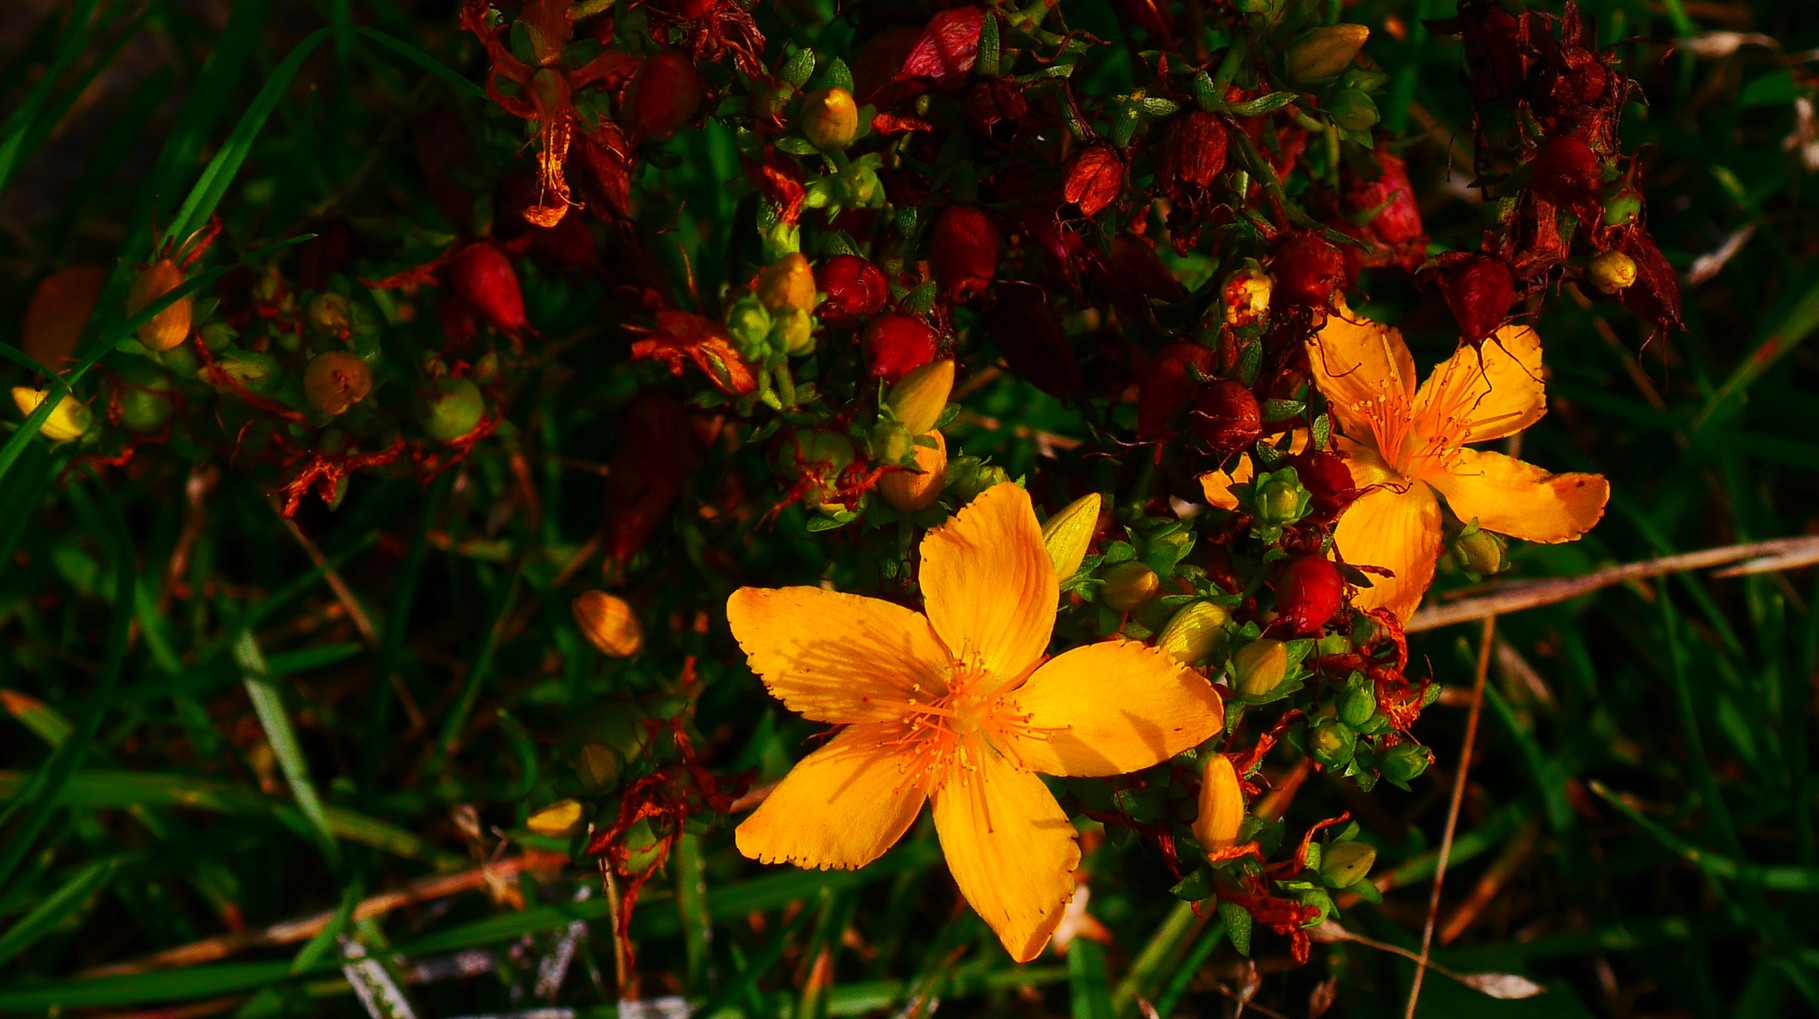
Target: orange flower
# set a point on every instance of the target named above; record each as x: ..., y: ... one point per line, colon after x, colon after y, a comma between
x: 1406, y: 446
x: 960, y: 707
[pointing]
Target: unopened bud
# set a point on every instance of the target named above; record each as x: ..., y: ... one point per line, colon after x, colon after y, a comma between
x: 1482, y: 553
x: 1195, y: 632
x: 919, y: 397
x: 1612, y: 272
x: 1331, y: 743
x: 830, y: 119
x: 967, y: 476
x: 749, y: 326
x: 169, y: 327
x: 243, y: 372
x: 1324, y: 52
x: 1221, y: 805
x: 1259, y: 667
x: 789, y: 282
x: 793, y: 330
x: 451, y: 408
x: 909, y: 492
x: 1357, y: 706
x: 560, y: 819
x: 1404, y: 762
x: 1346, y: 863
x: 59, y: 312
x: 335, y: 381
x: 1281, y: 500
x: 330, y: 313
x: 1129, y: 586
x: 1069, y: 533
x: 68, y: 420
x: 598, y: 766
x: 143, y: 408
x: 608, y: 623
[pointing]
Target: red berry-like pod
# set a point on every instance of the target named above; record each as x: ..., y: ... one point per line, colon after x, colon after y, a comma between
x: 895, y: 344
x: 1174, y: 377
x: 1226, y: 417
x: 1480, y: 291
x: 484, y: 278
x: 664, y: 95
x: 1309, y: 591
x: 1564, y: 170
x: 855, y: 290
x: 1309, y: 270
x: 963, y: 250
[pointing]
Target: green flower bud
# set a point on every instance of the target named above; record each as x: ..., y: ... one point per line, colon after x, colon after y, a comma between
x: 1259, y: 667
x: 1353, y: 110
x: 750, y: 326
x: 1129, y: 586
x: 1195, y: 632
x: 1481, y: 553
x: 1069, y: 533
x: 1281, y: 500
x: 598, y: 766
x: 1404, y: 762
x: 793, y: 330
x: 335, y: 381
x: 1346, y: 863
x: 331, y: 313
x: 1357, y: 705
x: 182, y: 361
x: 1622, y: 207
x: 830, y: 119
x: 891, y: 442
x: 1612, y: 272
x: 217, y: 337
x: 243, y: 371
x: 1324, y: 52
x: 144, y: 408
x: 967, y: 476
x: 451, y: 408
x: 1331, y: 743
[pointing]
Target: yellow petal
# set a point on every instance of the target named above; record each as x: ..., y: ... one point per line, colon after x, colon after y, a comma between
x: 989, y: 583
x: 835, y: 657
x: 842, y: 807
x: 1216, y: 486
x: 1395, y: 526
x: 1521, y: 500
x: 1366, y: 374
x: 1011, y: 849
x: 1112, y: 708
x: 1483, y: 394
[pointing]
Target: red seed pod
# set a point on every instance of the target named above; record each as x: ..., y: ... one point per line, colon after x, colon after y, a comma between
x: 1308, y: 593
x: 1133, y: 274
x: 1032, y: 341
x: 1095, y: 180
x: 664, y: 95
x: 1564, y: 170
x: 1480, y: 291
x: 1328, y: 480
x: 1384, y: 212
x: 1226, y: 417
x: 1308, y: 271
x: 1174, y: 377
x: 1195, y: 151
x: 948, y: 48
x: 855, y: 290
x: 895, y: 344
x: 485, y: 279
x: 963, y: 250
x: 994, y: 106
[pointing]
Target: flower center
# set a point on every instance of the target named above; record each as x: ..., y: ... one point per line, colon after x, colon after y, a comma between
x: 948, y: 733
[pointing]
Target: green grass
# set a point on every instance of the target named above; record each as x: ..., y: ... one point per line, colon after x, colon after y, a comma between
x: 202, y: 743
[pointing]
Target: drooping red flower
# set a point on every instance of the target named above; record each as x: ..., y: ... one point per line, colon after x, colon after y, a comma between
x: 682, y: 337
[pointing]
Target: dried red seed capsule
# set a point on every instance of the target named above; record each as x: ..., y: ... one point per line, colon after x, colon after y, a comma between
x: 1308, y: 271
x: 1095, y: 180
x: 1564, y: 170
x: 895, y: 344
x: 1480, y: 291
x: 1309, y: 591
x: 854, y: 287
x: 1168, y: 387
x: 1195, y: 152
x: 1328, y: 480
x: 664, y: 95
x: 1226, y: 417
x: 963, y: 250
x: 484, y: 278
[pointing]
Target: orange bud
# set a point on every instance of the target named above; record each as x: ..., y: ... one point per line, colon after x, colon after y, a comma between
x: 910, y: 492
x: 169, y: 327
x: 335, y: 381
x: 59, y: 311
x: 830, y: 119
x: 1221, y: 805
x: 786, y: 284
x: 608, y: 623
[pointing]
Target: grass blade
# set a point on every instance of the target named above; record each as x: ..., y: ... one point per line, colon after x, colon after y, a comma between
x: 282, y: 736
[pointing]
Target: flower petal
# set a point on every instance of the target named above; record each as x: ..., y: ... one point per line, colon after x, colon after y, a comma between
x: 1395, y: 526
x: 989, y: 583
x: 1521, y: 500
x: 841, y: 807
x: 1110, y: 709
x: 835, y: 657
x: 1366, y: 374
x: 1483, y: 394
x: 1216, y: 486
x: 1011, y: 849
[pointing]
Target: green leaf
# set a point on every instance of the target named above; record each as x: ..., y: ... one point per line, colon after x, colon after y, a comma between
x: 268, y: 704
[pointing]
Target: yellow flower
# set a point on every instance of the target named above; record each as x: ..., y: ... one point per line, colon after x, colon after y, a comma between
x: 959, y: 707
x: 1216, y: 486
x: 1407, y: 445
